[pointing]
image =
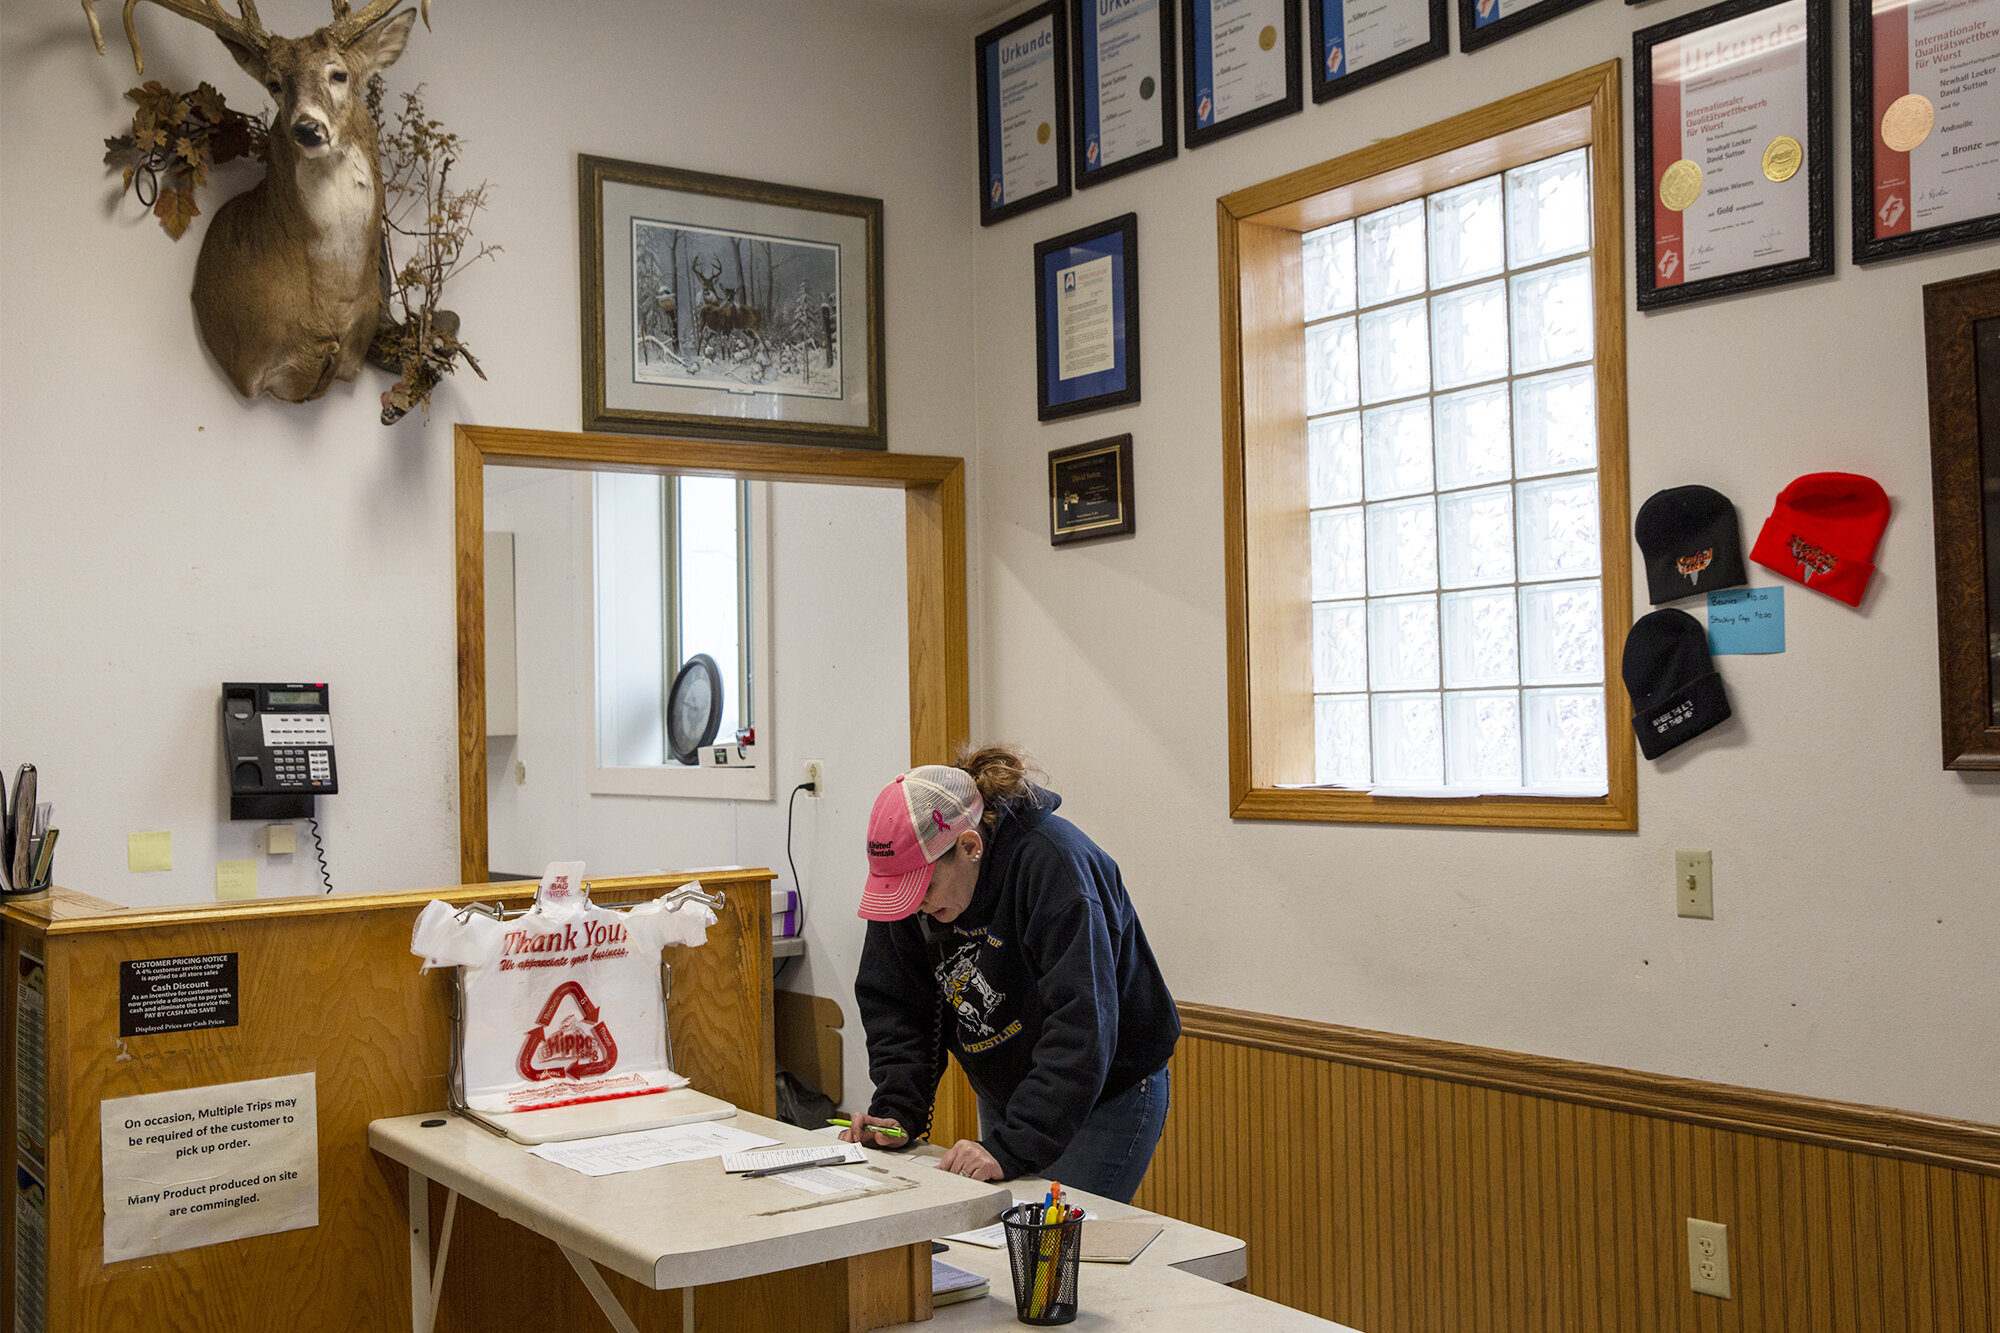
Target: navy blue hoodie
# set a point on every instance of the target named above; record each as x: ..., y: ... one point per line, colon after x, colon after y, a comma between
x: 1044, y: 988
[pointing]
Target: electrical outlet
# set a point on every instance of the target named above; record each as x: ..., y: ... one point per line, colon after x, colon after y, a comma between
x: 1694, y: 884
x: 816, y: 774
x: 1708, y: 1257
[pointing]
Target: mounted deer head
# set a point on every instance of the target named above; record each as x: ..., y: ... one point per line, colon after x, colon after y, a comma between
x: 287, y: 291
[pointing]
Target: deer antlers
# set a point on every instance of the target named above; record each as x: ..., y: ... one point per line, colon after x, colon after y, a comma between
x: 246, y: 29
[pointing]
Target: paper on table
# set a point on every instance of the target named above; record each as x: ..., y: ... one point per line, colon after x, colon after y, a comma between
x: 995, y: 1236
x: 757, y: 1161
x: 824, y: 1180
x: 612, y: 1153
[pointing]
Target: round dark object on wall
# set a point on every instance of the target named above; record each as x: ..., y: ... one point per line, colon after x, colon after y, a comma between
x: 694, y: 708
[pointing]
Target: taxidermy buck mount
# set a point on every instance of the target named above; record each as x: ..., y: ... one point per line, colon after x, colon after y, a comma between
x: 288, y: 288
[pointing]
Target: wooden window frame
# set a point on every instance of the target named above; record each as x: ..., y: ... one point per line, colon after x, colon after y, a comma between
x: 1266, y: 536
x: 934, y: 553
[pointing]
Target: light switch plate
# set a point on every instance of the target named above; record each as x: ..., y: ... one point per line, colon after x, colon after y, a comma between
x: 1694, y: 884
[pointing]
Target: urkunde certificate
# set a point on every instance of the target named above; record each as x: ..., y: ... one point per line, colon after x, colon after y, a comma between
x: 1937, y: 112
x: 1241, y: 65
x: 1123, y: 36
x: 1021, y: 69
x: 1084, y: 343
x: 1729, y: 129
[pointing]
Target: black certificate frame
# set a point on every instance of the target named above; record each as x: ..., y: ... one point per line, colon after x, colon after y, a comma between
x: 1119, y: 234
x: 1818, y: 262
x: 1086, y: 504
x: 1293, y: 101
x: 1868, y: 247
x: 1057, y: 13
x: 1472, y: 36
x: 1081, y: 169
x: 1326, y: 88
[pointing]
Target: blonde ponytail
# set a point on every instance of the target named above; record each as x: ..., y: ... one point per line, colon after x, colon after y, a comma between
x: 1002, y: 774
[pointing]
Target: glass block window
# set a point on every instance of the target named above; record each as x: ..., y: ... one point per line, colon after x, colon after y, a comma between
x: 1457, y: 619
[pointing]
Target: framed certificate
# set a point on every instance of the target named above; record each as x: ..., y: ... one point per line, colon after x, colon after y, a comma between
x: 1090, y: 491
x: 1023, y: 113
x: 1357, y: 42
x: 1733, y: 137
x: 1124, y: 86
x: 1239, y: 65
x: 1087, y: 318
x: 1926, y: 104
x: 1483, y: 22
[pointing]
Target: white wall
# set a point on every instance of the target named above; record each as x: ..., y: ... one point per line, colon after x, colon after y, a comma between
x: 1856, y: 907
x: 163, y: 536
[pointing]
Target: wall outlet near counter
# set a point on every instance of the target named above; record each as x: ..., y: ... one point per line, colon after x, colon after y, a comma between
x: 1708, y: 1257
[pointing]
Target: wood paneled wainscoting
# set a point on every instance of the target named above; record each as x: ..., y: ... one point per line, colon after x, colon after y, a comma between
x: 1401, y: 1185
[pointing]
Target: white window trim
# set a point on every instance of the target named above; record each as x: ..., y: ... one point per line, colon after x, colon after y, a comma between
x: 679, y: 780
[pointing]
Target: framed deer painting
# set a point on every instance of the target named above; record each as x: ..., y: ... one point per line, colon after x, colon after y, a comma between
x: 727, y: 309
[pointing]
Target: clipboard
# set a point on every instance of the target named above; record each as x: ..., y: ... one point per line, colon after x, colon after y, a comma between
x: 1118, y: 1242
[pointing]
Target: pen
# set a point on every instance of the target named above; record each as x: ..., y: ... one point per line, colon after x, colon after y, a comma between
x: 873, y: 1129
x: 795, y: 1166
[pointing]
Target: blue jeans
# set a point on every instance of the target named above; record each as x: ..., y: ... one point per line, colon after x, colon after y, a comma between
x: 1110, y: 1154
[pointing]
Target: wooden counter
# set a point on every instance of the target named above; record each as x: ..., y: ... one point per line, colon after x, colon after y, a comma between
x: 325, y: 986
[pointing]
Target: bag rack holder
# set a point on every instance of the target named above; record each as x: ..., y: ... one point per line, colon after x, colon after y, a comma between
x: 455, y: 1078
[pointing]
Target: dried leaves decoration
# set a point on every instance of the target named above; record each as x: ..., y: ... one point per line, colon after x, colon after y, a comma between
x: 426, y: 240
x: 175, y: 140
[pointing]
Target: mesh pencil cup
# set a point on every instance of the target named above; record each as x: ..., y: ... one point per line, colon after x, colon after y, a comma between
x: 1044, y: 1262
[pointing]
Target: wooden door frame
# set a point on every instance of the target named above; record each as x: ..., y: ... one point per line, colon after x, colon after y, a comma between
x: 934, y: 540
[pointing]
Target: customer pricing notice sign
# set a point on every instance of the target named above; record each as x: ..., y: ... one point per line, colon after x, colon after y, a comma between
x: 198, y: 1166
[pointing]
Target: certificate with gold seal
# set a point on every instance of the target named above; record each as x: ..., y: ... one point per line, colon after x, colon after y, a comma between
x: 1023, y: 67
x: 1124, y: 82
x: 1926, y: 104
x: 1733, y: 189
x: 1239, y: 65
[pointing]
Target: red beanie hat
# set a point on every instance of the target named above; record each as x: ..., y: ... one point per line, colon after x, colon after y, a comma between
x: 1823, y: 533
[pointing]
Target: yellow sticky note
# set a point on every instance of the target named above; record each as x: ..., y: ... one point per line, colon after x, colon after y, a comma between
x: 149, y: 851
x: 236, y: 879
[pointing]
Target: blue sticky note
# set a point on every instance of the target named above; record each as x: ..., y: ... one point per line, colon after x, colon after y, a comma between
x: 1747, y: 620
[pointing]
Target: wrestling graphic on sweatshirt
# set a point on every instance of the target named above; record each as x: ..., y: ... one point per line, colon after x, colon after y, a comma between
x: 972, y: 997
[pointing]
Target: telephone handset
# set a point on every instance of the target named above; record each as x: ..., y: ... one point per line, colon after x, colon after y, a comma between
x: 278, y: 746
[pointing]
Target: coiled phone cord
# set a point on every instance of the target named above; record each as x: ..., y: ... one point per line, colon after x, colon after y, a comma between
x: 319, y: 850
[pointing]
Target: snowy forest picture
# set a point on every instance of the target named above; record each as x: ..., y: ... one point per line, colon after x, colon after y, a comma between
x: 729, y: 309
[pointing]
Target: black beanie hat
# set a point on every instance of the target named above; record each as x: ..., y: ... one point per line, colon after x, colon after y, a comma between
x: 1676, y: 693
x: 1691, y: 543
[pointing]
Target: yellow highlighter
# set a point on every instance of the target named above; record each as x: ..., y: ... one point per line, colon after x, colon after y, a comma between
x: 1045, y: 1264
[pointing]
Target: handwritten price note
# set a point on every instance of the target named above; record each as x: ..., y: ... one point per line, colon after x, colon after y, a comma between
x: 1746, y: 620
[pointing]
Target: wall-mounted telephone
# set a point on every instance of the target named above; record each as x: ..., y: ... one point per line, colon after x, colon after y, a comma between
x: 278, y: 745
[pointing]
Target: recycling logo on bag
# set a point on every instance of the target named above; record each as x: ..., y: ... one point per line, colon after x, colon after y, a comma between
x: 569, y: 1039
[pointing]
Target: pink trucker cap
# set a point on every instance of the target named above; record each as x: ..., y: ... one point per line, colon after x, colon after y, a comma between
x: 915, y: 821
